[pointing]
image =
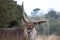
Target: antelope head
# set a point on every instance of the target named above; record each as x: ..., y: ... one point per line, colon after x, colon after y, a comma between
x: 30, y: 24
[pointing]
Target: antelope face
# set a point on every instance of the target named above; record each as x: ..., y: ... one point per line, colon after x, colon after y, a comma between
x: 29, y: 27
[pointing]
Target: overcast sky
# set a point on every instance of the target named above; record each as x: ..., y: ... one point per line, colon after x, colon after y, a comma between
x: 44, y: 5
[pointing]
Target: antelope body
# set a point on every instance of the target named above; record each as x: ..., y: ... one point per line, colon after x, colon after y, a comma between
x: 11, y: 34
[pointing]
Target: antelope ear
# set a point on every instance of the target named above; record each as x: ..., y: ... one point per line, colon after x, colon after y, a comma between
x: 35, y: 23
x: 41, y: 22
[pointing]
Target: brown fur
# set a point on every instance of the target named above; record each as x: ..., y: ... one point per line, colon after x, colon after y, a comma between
x: 11, y: 34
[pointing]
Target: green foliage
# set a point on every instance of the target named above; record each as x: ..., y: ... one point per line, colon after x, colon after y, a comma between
x: 52, y: 26
x: 51, y: 14
x: 10, y: 11
x: 35, y: 11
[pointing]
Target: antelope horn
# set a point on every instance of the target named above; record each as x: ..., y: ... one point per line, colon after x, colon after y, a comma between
x: 24, y: 14
x: 29, y: 20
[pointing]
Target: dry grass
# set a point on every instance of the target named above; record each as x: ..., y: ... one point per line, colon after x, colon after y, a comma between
x: 51, y: 37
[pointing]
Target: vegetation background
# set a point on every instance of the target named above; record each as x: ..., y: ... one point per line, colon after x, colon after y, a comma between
x: 11, y: 15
